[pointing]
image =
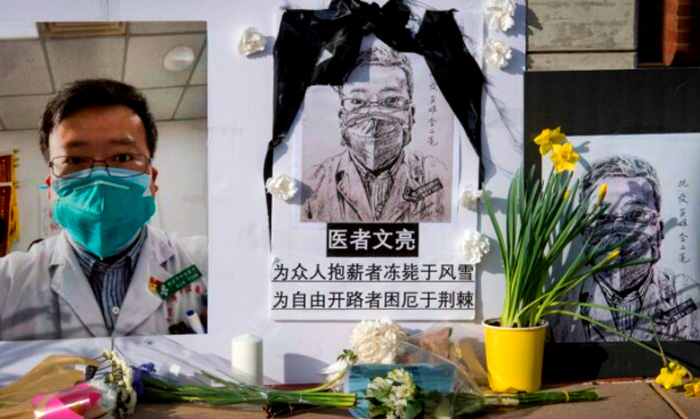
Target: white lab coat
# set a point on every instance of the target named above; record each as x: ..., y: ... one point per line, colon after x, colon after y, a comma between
x: 45, y: 295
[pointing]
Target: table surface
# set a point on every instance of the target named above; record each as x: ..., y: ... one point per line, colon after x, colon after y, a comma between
x: 619, y: 399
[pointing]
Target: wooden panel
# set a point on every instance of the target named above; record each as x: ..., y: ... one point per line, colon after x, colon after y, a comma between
x: 581, y: 25
x: 557, y: 61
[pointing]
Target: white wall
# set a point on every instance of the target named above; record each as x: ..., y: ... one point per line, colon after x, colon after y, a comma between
x: 181, y: 159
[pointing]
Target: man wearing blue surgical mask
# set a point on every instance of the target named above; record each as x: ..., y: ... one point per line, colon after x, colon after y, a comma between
x: 108, y: 273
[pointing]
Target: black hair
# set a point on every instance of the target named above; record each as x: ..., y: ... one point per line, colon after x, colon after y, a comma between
x: 82, y: 94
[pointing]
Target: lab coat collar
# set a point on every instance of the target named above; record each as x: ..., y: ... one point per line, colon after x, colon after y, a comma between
x: 69, y: 282
x: 140, y: 302
x: 349, y: 185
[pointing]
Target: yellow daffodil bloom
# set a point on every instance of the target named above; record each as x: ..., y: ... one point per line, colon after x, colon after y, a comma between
x: 548, y: 138
x: 671, y: 376
x: 613, y: 255
x: 601, y: 193
x: 692, y: 389
x: 564, y: 157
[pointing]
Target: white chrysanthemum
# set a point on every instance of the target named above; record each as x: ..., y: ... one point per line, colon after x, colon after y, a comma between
x: 499, y: 14
x: 475, y: 246
x: 251, y: 41
x: 496, y: 53
x: 282, y: 186
x: 470, y: 198
x: 377, y: 342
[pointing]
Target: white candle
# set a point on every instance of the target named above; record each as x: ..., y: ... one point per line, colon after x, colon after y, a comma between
x: 247, y: 358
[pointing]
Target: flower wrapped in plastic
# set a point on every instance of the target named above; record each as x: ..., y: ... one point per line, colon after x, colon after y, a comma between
x: 428, y: 375
x: 422, y: 384
x: 69, y: 387
x: 169, y: 372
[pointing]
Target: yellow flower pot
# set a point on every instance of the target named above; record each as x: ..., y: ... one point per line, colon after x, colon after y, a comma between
x: 514, y: 356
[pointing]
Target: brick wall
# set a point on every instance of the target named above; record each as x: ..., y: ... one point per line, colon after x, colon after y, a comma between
x: 668, y: 32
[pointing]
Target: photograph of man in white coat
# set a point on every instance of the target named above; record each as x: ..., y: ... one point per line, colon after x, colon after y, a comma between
x: 108, y: 273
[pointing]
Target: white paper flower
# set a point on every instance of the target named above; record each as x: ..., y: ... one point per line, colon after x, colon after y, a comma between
x: 475, y: 246
x: 377, y: 342
x: 470, y: 198
x: 499, y: 14
x: 251, y: 41
x: 282, y: 186
x: 496, y: 53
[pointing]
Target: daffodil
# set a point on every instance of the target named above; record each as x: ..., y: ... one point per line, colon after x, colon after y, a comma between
x: 548, y: 138
x: 671, y: 376
x: 601, y: 193
x: 613, y: 255
x: 564, y: 157
x: 692, y: 389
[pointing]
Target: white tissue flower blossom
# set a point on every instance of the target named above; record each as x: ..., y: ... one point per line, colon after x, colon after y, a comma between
x: 282, y: 186
x: 470, y: 198
x: 251, y: 41
x: 377, y: 342
x: 496, y: 53
x: 475, y: 246
x: 499, y: 14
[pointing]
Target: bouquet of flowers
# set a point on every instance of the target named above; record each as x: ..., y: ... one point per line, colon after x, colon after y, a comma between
x: 169, y: 372
x: 396, y: 396
x: 397, y: 376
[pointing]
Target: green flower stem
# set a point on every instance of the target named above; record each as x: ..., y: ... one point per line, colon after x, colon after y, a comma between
x: 538, y: 398
x: 327, y: 384
x: 609, y: 329
x: 542, y: 220
x: 160, y: 390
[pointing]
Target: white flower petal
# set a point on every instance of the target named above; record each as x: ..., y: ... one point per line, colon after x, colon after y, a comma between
x: 474, y: 247
x: 496, y: 53
x: 336, y: 367
x: 282, y: 187
x: 377, y: 342
x: 499, y: 14
x: 251, y: 41
x: 470, y: 198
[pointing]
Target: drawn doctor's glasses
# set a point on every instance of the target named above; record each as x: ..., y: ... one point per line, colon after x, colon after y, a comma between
x: 74, y: 167
x: 388, y: 104
x: 634, y: 219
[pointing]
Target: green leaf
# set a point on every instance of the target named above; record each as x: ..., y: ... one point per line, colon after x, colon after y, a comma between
x: 413, y: 409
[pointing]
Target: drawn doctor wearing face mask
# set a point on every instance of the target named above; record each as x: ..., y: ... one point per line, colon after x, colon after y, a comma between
x: 377, y: 178
x: 633, y: 218
x: 108, y: 272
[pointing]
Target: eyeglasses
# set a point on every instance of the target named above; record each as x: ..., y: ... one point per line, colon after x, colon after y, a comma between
x: 633, y: 218
x: 388, y: 104
x: 75, y: 167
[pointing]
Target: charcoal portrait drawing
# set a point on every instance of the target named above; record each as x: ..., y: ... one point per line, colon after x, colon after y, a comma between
x: 378, y: 176
x: 634, y: 198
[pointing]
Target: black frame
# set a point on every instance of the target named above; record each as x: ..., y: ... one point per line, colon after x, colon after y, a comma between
x: 643, y: 101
